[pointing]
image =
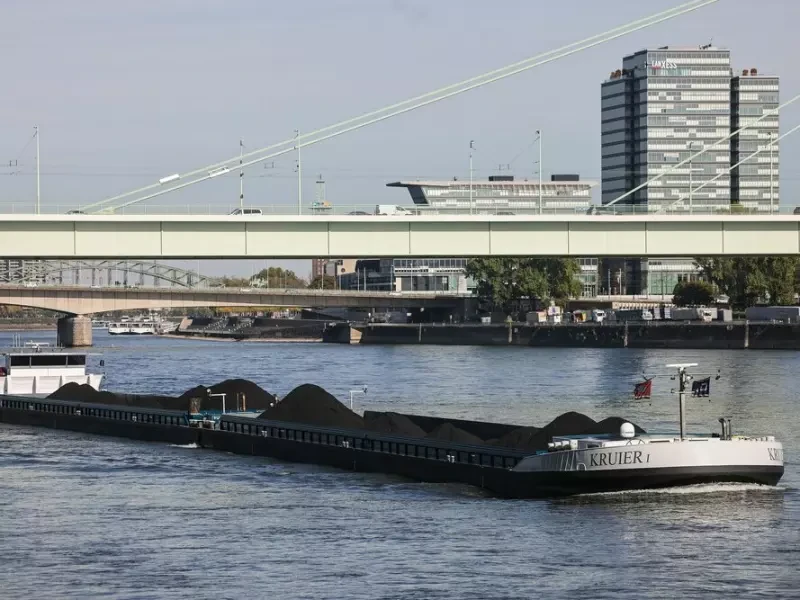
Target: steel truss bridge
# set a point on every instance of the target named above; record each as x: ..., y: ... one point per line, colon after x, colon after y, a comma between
x: 101, y: 273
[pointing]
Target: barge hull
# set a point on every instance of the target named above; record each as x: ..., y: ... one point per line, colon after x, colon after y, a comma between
x: 171, y: 434
x: 503, y: 482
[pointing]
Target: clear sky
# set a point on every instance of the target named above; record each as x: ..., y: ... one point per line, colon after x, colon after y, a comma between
x: 126, y: 92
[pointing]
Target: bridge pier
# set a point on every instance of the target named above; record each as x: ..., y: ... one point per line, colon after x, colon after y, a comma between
x: 74, y: 331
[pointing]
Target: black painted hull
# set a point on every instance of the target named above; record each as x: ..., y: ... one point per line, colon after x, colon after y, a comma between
x: 502, y: 482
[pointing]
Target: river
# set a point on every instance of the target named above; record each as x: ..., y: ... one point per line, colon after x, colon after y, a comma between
x: 91, y: 517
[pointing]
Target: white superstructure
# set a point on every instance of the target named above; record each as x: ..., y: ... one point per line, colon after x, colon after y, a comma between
x: 39, y: 369
x: 662, y: 454
x: 632, y: 460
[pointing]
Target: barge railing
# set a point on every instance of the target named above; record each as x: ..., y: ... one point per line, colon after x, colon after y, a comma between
x: 375, y: 441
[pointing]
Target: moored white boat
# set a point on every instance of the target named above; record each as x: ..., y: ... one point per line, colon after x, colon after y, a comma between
x: 133, y: 328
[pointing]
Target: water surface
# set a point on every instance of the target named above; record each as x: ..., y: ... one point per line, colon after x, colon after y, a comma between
x: 90, y: 517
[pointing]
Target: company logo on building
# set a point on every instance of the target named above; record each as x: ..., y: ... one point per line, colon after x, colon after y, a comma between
x: 663, y: 64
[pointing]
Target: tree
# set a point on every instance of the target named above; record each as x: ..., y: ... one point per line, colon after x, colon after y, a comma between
x: 503, y: 282
x: 276, y: 277
x: 750, y: 280
x: 234, y: 282
x: 693, y: 293
x: 326, y: 282
x: 781, y: 279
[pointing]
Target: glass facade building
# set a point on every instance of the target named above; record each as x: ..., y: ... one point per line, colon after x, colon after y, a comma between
x: 409, y: 275
x: 754, y: 184
x: 661, y: 107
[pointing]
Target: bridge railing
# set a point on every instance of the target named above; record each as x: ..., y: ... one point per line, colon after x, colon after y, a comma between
x: 26, y: 208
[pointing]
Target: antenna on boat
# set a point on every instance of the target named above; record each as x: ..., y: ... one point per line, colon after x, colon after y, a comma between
x: 683, y: 379
x: 700, y: 388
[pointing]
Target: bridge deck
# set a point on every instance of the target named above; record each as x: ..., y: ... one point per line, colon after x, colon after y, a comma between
x: 223, y: 236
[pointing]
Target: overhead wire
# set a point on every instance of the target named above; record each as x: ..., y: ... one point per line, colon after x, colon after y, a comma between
x: 402, y: 107
x: 729, y: 169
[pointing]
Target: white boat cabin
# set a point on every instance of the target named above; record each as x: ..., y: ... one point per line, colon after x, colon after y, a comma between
x: 40, y: 370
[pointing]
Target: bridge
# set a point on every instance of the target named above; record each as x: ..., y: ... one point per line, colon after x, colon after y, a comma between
x: 157, y: 237
x: 76, y: 302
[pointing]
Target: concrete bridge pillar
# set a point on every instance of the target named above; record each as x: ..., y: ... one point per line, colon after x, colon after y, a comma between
x: 74, y: 331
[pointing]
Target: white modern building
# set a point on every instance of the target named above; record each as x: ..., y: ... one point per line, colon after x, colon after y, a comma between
x: 501, y: 194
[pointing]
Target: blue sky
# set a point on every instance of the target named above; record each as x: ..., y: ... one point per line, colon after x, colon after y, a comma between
x: 127, y: 92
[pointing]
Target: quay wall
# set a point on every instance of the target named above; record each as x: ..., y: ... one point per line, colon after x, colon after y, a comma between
x: 734, y: 336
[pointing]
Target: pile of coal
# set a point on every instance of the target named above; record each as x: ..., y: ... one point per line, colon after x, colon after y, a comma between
x: 240, y: 394
x: 450, y: 433
x: 86, y: 393
x: 610, y: 425
x: 394, y: 423
x: 571, y: 423
x: 312, y: 405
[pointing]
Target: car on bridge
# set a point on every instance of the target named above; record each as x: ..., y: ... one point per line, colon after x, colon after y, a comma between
x: 246, y: 211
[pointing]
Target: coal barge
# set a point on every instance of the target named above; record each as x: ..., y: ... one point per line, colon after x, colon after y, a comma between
x: 588, y: 462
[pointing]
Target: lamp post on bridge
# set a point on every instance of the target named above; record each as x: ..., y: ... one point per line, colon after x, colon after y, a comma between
x: 241, y: 175
x: 299, y: 174
x: 471, y: 192
x: 38, y: 172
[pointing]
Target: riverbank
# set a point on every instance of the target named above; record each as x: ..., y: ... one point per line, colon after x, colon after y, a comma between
x: 654, y: 334
x: 27, y: 326
x: 232, y: 338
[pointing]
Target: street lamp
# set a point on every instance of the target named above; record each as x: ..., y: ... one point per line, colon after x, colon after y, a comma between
x: 471, y: 150
x: 210, y: 395
x: 363, y: 390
